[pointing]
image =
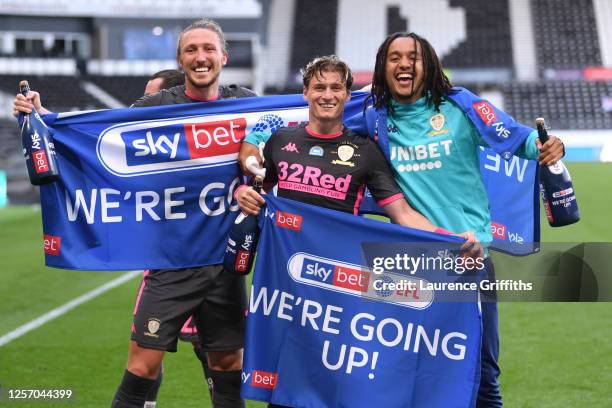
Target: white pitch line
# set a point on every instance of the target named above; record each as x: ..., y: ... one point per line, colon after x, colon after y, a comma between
x: 52, y: 314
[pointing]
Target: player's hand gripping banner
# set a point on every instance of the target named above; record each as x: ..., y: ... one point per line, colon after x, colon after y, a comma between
x: 319, y: 333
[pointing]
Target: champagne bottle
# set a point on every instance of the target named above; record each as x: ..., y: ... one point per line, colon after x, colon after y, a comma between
x: 37, y: 144
x: 557, y: 189
x: 242, y: 240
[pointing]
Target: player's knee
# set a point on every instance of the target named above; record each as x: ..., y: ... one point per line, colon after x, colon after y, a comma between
x: 142, y: 369
x: 230, y: 360
x: 144, y: 362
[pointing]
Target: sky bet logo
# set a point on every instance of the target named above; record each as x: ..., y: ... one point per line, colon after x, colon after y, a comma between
x: 337, y: 275
x: 38, y: 154
x: 489, y: 117
x: 289, y: 221
x: 159, y: 146
x: 318, y: 271
x: 133, y: 149
x: 52, y: 244
x: 261, y: 379
x: 500, y: 231
x: 328, y: 273
x: 486, y: 112
x: 355, y: 280
x: 40, y: 161
x: 186, y: 141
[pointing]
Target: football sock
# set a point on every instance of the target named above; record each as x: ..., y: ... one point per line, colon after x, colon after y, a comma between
x: 201, y: 354
x: 132, y: 391
x: 226, y: 389
x: 151, y: 398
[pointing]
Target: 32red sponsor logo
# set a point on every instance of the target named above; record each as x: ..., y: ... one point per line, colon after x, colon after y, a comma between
x: 51, y: 244
x: 289, y: 221
x: 498, y: 230
x: 263, y: 379
x: 40, y: 161
x: 312, y: 176
x: 485, y: 111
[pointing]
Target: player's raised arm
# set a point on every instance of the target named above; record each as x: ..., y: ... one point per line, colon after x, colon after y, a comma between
x: 24, y: 104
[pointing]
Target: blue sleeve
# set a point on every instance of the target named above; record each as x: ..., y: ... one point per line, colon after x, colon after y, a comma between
x: 528, y: 150
x: 498, y: 129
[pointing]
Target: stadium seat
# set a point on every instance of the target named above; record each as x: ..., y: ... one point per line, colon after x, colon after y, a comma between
x: 565, y: 104
x: 565, y: 34
x: 59, y: 93
x: 126, y: 89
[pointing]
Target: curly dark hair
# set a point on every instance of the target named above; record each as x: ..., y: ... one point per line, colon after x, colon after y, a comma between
x: 435, y: 82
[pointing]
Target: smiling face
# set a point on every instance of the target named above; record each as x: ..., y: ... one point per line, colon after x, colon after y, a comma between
x: 201, y: 57
x: 404, y: 70
x: 326, y: 95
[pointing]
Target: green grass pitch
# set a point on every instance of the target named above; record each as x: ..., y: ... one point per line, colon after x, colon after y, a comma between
x: 552, y: 354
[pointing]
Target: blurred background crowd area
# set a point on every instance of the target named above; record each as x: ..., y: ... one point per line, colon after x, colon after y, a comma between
x: 550, y: 58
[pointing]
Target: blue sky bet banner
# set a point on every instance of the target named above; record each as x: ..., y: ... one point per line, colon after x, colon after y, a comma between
x: 152, y: 187
x: 319, y: 333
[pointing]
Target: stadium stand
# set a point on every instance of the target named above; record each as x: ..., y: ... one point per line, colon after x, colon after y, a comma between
x: 565, y: 104
x: 488, y: 42
x: 395, y: 21
x: 60, y: 93
x: 314, y: 32
x: 279, y: 35
x: 19, y: 189
x: 126, y: 89
x: 10, y: 147
x: 565, y: 34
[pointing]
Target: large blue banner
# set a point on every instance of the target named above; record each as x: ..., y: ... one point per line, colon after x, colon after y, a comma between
x: 152, y: 187
x: 320, y: 333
